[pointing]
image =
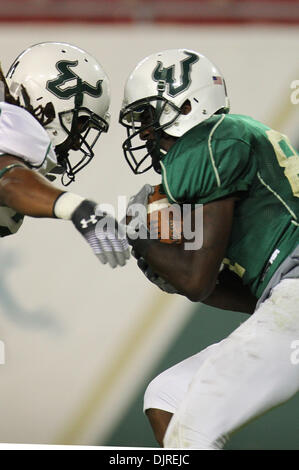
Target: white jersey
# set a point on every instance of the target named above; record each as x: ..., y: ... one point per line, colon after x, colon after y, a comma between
x: 22, y: 136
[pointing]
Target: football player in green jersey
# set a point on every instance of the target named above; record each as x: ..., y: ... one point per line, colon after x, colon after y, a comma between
x: 246, y: 176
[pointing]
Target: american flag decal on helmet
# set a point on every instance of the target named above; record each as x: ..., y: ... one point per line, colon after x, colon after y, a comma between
x: 217, y: 80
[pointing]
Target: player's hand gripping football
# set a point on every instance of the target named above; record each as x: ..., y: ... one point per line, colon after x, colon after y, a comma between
x: 106, y: 237
x: 138, y: 208
x: 136, y: 213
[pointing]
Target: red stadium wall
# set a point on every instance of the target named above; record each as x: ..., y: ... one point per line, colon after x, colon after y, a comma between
x: 152, y: 11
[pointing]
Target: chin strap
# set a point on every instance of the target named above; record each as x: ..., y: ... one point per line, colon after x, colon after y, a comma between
x: 66, y: 168
x: 63, y: 157
x: 161, y: 87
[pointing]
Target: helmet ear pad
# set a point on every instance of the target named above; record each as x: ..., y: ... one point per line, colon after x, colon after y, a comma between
x: 186, y: 107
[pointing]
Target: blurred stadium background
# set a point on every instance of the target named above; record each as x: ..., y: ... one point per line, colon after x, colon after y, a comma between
x: 82, y: 341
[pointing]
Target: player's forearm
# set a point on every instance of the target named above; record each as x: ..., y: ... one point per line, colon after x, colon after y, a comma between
x: 230, y: 300
x: 177, y: 266
x: 231, y: 294
x: 162, y: 258
x: 28, y: 193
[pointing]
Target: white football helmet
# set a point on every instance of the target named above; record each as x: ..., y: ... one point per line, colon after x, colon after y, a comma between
x: 67, y: 91
x: 165, y: 81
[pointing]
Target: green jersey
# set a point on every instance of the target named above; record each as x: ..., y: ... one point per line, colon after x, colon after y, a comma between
x: 228, y: 154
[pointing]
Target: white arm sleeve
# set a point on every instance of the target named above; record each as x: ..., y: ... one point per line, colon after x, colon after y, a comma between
x: 22, y: 136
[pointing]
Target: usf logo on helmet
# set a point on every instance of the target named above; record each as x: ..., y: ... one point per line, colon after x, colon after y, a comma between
x: 168, y: 92
x: 55, y: 86
x: 168, y: 74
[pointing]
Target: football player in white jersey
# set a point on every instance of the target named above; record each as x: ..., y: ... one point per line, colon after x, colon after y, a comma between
x: 54, y: 99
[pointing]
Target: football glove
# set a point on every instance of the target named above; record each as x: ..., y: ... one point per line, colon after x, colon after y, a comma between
x: 106, y: 237
x: 137, y: 210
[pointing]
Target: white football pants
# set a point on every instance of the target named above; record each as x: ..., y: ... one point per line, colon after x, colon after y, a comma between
x: 224, y: 386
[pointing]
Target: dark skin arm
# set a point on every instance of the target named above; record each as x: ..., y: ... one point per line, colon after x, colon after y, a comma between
x: 231, y: 294
x: 193, y: 273
x: 26, y: 191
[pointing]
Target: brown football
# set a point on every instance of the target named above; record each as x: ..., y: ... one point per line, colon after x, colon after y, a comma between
x: 164, y: 220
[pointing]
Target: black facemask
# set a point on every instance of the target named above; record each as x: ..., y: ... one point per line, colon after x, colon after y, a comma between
x: 138, y: 117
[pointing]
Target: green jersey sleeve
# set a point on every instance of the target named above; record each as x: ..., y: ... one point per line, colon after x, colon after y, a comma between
x: 200, y: 170
x: 234, y: 153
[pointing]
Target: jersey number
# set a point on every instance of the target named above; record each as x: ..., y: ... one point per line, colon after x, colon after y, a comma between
x: 287, y: 158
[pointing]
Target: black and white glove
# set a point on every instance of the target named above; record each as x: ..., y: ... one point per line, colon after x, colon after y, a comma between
x: 155, y: 278
x: 105, y: 236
